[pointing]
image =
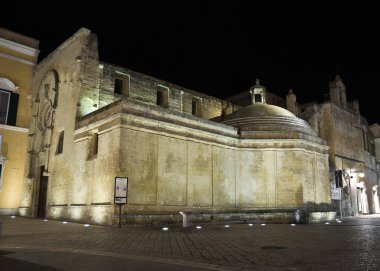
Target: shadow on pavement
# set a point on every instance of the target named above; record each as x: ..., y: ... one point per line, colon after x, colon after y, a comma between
x: 9, y: 264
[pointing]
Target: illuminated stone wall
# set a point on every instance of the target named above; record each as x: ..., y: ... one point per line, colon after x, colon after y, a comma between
x: 375, y: 129
x: 61, y: 72
x: 143, y: 88
x: 174, y: 161
x: 174, y: 168
x: 351, y: 147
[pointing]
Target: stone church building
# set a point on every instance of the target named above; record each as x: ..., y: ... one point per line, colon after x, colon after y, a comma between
x: 181, y: 150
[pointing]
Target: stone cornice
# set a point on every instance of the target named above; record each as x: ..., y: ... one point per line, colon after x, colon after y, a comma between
x: 14, y: 128
x: 188, y: 129
x: 17, y: 59
x: 17, y: 47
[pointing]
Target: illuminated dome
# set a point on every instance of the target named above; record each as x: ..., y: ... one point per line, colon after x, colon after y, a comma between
x: 261, y: 120
x: 266, y: 117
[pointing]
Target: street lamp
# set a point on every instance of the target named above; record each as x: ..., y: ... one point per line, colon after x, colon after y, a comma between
x: 361, y: 173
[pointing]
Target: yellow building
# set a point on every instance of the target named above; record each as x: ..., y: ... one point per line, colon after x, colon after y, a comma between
x: 18, y: 56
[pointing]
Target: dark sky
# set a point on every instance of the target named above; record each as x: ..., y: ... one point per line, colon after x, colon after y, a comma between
x: 221, y: 47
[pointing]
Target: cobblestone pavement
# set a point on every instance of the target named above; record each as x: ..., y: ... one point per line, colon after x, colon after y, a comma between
x: 353, y: 244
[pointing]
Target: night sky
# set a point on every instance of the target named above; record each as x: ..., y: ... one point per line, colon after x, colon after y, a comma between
x: 221, y: 47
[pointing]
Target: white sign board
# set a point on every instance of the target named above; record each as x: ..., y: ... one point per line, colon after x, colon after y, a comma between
x: 121, y: 190
x: 336, y: 193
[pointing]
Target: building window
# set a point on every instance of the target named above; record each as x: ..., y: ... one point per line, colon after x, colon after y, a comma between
x: 60, y: 142
x: 121, y: 86
x: 8, y: 107
x: 118, y: 88
x: 93, y: 146
x: 258, y: 98
x: 365, y: 141
x: 162, y: 97
x: 196, y: 107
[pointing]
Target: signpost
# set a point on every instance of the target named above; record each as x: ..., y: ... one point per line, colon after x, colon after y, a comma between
x: 121, y: 192
x: 336, y: 194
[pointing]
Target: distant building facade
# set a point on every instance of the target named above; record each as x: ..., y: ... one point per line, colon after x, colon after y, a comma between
x: 18, y: 56
x: 181, y: 150
x: 352, y: 145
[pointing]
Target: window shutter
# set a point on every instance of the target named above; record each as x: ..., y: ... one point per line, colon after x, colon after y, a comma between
x: 12, y: 111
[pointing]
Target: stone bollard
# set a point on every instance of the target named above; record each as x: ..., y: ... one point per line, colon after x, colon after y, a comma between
x: 298, y: 216
x: 185, y: 219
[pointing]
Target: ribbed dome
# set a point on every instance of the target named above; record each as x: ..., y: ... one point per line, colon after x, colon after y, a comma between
x: 266, y: 117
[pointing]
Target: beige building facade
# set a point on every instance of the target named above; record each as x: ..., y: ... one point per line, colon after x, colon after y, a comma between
x: 18, y: 56
x: 181, y: 150
x: 352, y: 145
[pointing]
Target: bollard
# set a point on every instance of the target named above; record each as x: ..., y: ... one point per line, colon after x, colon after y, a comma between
x: 1, y: 224
x: 185, y: 219
x: 298, y: 216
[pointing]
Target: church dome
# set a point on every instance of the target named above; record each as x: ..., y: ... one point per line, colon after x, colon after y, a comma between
x: 262, y: 120
x: 266, y: 117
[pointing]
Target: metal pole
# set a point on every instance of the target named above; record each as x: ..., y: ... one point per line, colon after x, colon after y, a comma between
x: 352, y: 212
x: 340, y: 204
x: 119, y: 215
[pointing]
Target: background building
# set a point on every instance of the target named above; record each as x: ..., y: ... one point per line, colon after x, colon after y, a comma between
x: 18, y: 56
x: 352, y: 146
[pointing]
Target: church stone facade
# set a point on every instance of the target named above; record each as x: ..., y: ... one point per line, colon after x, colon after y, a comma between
x: 352, y: 145
x: 181, y: 150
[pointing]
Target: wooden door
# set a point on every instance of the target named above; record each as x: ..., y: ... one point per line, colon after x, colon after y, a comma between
x: 42, y: 196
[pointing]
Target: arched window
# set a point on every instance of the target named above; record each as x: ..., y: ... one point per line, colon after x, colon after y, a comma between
x: 8, y: 102
x: 7, y: 84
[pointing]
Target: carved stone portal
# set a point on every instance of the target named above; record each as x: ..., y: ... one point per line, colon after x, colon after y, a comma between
x: 46, y: 100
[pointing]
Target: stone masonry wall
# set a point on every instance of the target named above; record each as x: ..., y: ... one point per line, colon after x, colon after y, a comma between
x: 169, y: 172
x: 144, y: 88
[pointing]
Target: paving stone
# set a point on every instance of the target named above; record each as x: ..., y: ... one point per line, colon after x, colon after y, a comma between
x: 352, y: 245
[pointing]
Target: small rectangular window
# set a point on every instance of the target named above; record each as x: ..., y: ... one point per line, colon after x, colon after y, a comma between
x: 4, y: 105
x: 95, y: 144
x: 159, y: 97
x: 118, y: 88
x: 60, y: 142
x: 365, y: 140
x: 121, y: 86
x: 196, y: 107
x: 162, y: 97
